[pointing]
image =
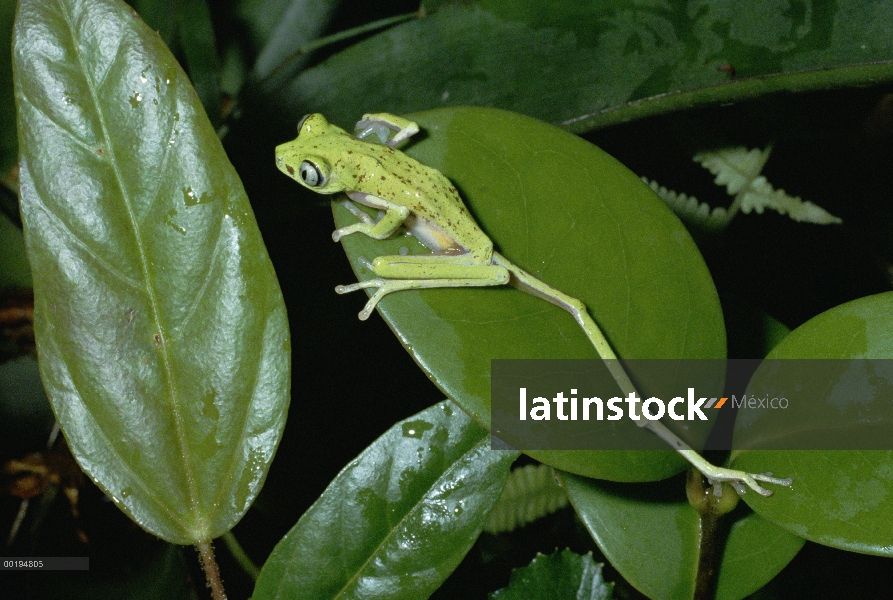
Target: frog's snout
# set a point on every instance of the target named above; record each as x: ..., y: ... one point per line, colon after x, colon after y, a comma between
x: 283, y: 165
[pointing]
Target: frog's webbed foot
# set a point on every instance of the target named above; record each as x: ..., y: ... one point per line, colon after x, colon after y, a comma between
x: 385, y: 287
x: 737, y: 478
x: 711, y: 471
x: 381, y: 124
x: 477, y: 276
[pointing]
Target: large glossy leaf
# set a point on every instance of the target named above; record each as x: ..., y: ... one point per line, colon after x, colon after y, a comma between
x: 841, y: 498
x: 574, y: 217
x: 398, y: 519
x: 161, y: 330
x: 652, y: 536
x: 589, y: 64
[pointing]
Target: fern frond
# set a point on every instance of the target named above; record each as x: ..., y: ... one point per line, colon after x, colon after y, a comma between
x: 530, y: 493
x: 735, y: 168
x: 738, y: 169
x: 689, y: 209
x: 762, y: 195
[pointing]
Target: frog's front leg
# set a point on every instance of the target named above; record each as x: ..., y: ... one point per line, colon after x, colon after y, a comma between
x: 396, y: 273
x: 393, y: 218
x: 380, y: 123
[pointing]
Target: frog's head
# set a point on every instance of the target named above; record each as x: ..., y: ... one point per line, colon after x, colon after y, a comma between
x: 308, y: 158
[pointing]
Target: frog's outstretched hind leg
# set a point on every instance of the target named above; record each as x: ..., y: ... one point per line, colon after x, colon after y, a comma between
x: 530, y: 284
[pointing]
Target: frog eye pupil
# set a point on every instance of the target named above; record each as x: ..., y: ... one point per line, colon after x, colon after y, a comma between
x: 310, y: 174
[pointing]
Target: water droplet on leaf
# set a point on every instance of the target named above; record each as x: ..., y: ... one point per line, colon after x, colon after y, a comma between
x: 416, y: 429
x: 169, y: 219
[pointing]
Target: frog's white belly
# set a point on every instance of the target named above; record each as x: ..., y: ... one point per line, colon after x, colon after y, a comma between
x: 432, y: 237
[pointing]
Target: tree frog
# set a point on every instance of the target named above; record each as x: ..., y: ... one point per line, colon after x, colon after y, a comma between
x: 371, y: 171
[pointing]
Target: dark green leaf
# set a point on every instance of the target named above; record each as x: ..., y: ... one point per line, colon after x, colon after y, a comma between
x: 162, y: 333
x: 652, y: 536
x: 399, y: 517
x: 573, y: 216
x: 576, y: 62
x: 560, y: 576
x: 840, y: 498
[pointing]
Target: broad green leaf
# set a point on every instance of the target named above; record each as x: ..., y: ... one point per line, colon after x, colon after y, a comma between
x: 590, y: 64
x: 162, y: 334
x: 840, y: 498
x: 652, y: 536
x: 563, y: 575
x: 571, y: 215
x: 398, y: 519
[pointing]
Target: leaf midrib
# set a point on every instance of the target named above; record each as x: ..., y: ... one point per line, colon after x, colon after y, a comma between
x: 144, y: 265
x: 410, y: 513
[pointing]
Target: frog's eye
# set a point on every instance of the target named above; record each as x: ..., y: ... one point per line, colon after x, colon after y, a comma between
x: 311, y: 174
x: 301, y: 122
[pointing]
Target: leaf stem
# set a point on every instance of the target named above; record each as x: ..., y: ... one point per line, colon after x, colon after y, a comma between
x: 711, y: 502
x: 212, y: 571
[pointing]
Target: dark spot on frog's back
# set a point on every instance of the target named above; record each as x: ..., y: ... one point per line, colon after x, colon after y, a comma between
x: 290, y: 169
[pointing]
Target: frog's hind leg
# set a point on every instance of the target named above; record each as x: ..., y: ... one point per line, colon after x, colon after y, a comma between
x: 379, y: 124
x: 397, y: 273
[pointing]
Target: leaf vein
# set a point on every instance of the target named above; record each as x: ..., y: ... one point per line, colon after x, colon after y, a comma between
x: 90, y: 148
x: 85, y: 247
x: 199, y: 295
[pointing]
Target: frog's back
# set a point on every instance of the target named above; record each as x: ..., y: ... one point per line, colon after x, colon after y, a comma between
x: 426, y: 192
